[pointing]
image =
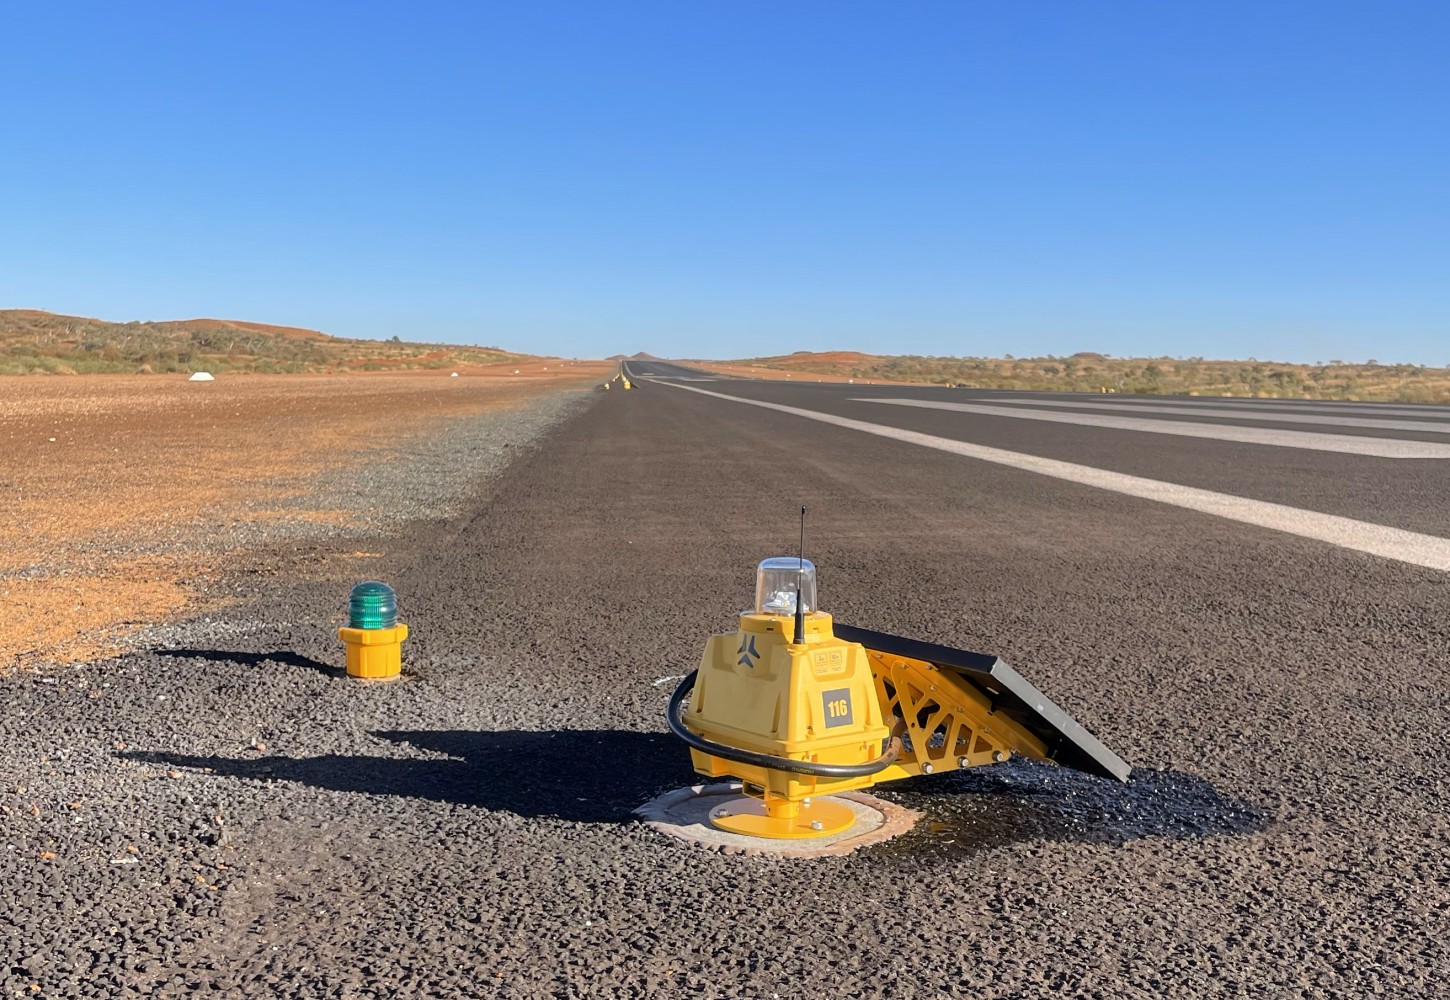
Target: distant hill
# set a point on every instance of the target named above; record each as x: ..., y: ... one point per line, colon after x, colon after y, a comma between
x: 822, y: 362
x: 290, y: 332
x: 1089, y: 371
x: 35, y: 341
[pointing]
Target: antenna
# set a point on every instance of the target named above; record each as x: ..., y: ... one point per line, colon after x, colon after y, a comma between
x: 800, y: 568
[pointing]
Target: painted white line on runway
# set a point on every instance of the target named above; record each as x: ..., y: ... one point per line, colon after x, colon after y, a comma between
x: 1429, y: 551
x: 1266, y: 405
x: 1387, y: 424
x: 1341, y: 443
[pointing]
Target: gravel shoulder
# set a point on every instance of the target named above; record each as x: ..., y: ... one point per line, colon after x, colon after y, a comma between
x: 126, y: 500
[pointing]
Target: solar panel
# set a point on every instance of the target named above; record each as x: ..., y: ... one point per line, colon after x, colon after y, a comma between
x: 1067, y: 742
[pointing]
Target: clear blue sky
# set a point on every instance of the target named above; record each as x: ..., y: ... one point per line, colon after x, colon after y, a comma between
x: 729, y: 179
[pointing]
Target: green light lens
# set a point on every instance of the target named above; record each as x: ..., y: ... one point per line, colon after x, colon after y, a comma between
x: 372, y: 605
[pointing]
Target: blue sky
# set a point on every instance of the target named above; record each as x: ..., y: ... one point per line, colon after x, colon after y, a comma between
x: 736, y: 179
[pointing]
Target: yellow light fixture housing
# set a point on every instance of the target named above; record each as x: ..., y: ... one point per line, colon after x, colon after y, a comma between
x: 798, y: 707
x: 373, y: 635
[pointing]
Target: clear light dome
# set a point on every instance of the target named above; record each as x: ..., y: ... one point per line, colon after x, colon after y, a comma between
x: 776, y: 580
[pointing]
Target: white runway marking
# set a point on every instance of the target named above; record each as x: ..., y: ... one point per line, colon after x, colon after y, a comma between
x: 1269, y: 405
x: 1429, y: 551
x: 1253, y: 413
x: 1341, y: 443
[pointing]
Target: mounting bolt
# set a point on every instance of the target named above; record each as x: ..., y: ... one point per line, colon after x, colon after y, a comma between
x: 999, y: 755
x: 963, y: 762
x: 926, y: 769
x: 817, y: 825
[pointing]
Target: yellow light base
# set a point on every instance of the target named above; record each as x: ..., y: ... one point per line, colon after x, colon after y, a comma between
x: 374, y: 654
x: 815, y: 818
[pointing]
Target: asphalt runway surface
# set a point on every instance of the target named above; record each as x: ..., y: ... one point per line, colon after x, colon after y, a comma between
x: 227, y: 813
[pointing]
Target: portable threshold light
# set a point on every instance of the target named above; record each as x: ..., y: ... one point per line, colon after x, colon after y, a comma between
x: 373, y: 635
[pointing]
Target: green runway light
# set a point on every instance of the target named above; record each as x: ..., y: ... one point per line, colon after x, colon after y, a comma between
x: 372, y: 605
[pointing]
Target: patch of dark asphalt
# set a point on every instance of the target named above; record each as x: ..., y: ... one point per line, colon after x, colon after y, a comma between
x: 464, y: 832
x: 1401, y: 493
x: 1023, y: 801
x: 241, y: 658
x: 596, y: 776
x: 996, y: 806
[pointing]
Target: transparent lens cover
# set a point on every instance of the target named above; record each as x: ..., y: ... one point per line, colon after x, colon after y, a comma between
x: 776, y: 580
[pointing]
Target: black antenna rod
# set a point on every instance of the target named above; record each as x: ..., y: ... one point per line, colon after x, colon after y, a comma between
x: 800, y: 570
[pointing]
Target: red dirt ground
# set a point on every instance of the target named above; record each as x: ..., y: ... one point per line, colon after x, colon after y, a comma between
x: 91, y: 459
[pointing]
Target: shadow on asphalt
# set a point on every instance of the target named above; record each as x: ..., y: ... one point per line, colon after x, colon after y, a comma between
x: 585, y: 776
x: 286, y: 657
x: 600, y: 776
x: 1024, y: 800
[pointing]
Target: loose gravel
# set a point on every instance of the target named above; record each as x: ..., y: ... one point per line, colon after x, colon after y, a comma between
x: 124, y: 500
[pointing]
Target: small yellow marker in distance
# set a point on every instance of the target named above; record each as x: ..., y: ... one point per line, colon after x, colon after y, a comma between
x: 374, y: 636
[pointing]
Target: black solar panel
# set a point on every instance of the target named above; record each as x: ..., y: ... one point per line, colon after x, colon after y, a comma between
x: 1068, y: 743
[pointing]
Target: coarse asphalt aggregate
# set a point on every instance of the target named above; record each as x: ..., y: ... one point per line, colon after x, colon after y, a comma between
x: 226, y: 814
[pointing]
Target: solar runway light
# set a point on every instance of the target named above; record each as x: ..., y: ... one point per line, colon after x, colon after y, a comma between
x: 799, y: 708
x: 373, y: 635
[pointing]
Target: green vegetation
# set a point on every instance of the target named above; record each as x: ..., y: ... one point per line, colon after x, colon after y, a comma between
x: 33, y: 342
x: 1092, y: 372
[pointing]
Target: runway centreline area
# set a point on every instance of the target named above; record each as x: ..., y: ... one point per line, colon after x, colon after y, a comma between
x: 1323, y: 418
x: 1344, y: 444
x: 1373, y: 488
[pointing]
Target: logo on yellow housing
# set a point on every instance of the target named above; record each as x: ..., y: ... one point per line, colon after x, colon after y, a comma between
x: 747, y: 652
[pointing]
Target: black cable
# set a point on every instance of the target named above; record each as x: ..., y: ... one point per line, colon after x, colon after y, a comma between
x: 677, y: 726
